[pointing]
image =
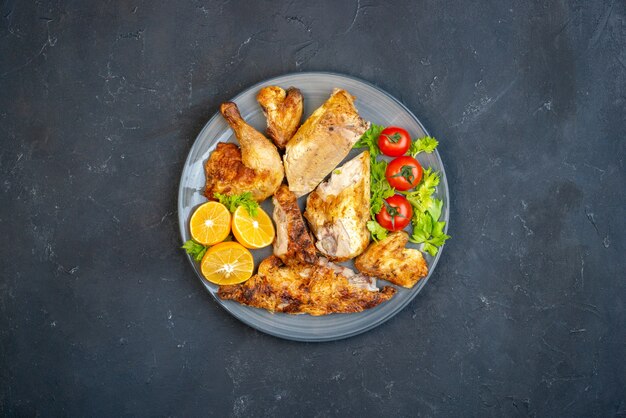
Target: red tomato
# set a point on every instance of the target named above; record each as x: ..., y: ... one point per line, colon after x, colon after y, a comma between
x: 394, y: 141
x: 404, y: 173
x: 395, y: 214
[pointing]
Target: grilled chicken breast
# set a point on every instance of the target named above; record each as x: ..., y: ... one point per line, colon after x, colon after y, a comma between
x: 255, y: 168
x: 316, y: 289
x: 338, y: 210
x: 322, y: 142
x: 293, y: 243
x: 283, y: 110
x: 389, y: 260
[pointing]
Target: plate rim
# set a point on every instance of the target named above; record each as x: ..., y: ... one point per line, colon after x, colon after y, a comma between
x: 421, y: 283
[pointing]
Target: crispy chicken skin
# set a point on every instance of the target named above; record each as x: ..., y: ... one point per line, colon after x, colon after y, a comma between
x: 293, y: 243
x: 283, y: 110
x: 338, y: 210
x: 225, y: 172
x: 255, y: 168
x: 324, y: 139
x: 389, y: 260
x: 316, y: 289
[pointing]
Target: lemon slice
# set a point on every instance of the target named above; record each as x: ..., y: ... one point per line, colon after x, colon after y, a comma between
x: 253, y: 231
x: 227, y: 263
x: 210, y: 223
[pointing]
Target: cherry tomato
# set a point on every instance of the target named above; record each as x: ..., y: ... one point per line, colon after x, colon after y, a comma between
x: 394, y: 141
x: 395, y: 214
x: 404, y: 173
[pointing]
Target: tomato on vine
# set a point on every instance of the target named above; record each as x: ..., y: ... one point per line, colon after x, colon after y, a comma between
x: 395, y: 214
x: 394, y: 141
x: 404, y: 173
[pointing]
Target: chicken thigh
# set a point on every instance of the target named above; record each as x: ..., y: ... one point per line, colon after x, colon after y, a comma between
x: 255, y: 168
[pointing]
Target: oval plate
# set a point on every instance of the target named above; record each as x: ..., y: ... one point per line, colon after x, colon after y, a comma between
x: 374, y: 105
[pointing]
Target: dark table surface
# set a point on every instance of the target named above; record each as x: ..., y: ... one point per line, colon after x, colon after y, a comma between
x: 100, y: 311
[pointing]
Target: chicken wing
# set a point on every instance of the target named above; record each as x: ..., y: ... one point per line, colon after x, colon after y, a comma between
x: 283, y: 110
x: 322, y: 142
x: 315, y: 289
x: 389, y: 260
x: 255, y: 168
x: 293, y: 242
x: 338, y: 210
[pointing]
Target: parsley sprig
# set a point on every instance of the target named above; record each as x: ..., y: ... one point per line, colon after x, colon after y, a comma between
x: 377, y: 231
x: 427, y: 229
x: 232, y: 202
x: 195, y: 249
x: 380, y: 189
x: 370, y: 140
x: 426, y: 144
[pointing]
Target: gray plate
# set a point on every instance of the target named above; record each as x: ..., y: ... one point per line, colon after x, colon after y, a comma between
x: 374, y: 105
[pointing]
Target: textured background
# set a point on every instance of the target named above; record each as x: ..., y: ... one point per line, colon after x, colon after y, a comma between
x: 101, y: 314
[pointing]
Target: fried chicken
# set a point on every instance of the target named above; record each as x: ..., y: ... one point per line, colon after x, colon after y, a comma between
x: 338, y: 210
x: 322, y: 142
x: 255, y: 168
x: 315, y: 289
x: 283, y: 110
x: 293, y: 242
x: 389, y: 260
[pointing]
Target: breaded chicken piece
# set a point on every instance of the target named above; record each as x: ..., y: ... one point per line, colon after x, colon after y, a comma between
x: 283, y: 110
x: 255, y: 168
x: 324, y: 139
x: 389, y: 260
x: 293, y: 243
x: 338, y: 210
x: 316, y: 289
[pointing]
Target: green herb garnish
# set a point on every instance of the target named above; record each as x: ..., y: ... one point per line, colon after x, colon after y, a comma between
x: 427, y: 229
x: 194, y: 249
x: 379, y: 186
x: 232, y: 202
x: 370, y: 140
x: 426, y: 144
x: 377, y: 231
